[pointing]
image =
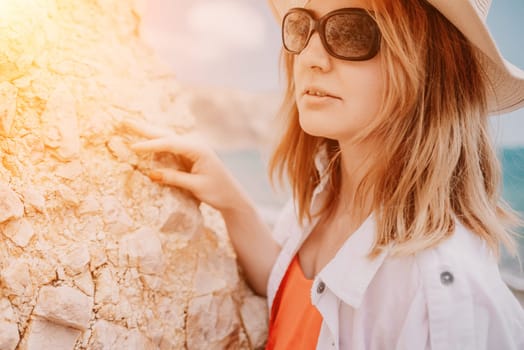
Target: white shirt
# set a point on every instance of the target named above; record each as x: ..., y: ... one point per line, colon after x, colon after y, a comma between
x: 448, y: 297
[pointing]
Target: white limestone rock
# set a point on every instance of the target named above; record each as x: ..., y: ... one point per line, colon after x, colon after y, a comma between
x: 65, y: 306
x: 60, y: 124
x: 98, y: 257
x: 181, y: 221
x: 70, y: 170
x: 89, y: 205
x: 176, y: 215
x: 106, y: 287
x: 85, y: 283
x: 10, y: 204
x: 121, y: 151
x: 116, y: 219
x: 45, y: 335
x: 87, y: 238
x: 218, y: 311
x: 252, y: 308
x: 134, y: 339
x: 23, y: 40
x: 34, y: 198
x: 105, y: 335
x: 9, y: 336
x: 142, y: 249
x: 76, y: 260
x: 68, y: 195
x: 44, y: 271
x: 8, y: 94
x: 109, y: 336
x: 20, y: 231
x: 16, y: 278
x: 215, y: 272
x: 152, y: 282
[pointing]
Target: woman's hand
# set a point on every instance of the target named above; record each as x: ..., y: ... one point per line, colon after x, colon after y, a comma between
x: 205, y: 175
x: 209, y: 180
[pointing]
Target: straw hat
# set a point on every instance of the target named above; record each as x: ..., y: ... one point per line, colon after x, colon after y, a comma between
x: 506, y: 81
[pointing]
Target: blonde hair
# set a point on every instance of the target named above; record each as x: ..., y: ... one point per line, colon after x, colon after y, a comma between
x: 438, y: 163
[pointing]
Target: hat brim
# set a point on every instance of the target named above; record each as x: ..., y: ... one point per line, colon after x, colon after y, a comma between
x: 505, y: 81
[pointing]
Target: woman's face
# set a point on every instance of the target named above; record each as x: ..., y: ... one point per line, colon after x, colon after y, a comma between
x: 354, y: 88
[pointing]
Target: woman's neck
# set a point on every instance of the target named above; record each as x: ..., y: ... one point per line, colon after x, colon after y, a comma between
x: 356, y: 162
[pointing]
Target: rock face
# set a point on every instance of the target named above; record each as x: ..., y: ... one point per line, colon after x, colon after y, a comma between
x: 93, y: 255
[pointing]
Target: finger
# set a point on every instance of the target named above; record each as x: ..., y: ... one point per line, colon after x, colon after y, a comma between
x: 172, y: 144
x: 144, y: 129
x: 174, y: 178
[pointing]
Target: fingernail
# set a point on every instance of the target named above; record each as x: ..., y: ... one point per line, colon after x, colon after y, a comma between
x: 155, y: 175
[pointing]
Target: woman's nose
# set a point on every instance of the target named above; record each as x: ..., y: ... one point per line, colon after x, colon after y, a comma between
x: 314, y: 55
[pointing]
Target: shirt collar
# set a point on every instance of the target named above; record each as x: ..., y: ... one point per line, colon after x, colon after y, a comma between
x: 350, y: 272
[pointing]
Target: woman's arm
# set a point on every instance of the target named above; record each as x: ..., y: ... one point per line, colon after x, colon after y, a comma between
x: 256, y: 250
x: 209, y: 180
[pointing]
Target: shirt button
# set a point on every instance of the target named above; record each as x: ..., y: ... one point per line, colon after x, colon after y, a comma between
x: 320, y: 288
x: 446, y: 278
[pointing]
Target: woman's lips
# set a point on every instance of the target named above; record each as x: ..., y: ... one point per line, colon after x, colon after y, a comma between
x: 317, y: 99
x: 318, y: 92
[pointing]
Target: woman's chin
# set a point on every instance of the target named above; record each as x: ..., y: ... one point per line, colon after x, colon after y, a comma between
x: 318, y: 131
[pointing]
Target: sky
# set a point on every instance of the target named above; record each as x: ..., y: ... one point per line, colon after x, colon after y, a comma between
x: 236, y: 44
x: 506, y: 22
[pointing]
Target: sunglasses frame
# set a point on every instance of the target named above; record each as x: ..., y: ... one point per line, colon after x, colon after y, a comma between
x: 319, y: 26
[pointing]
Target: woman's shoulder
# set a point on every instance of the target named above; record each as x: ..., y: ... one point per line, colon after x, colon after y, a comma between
x: 463, y: 253
x: 465, y: 294
x: 463, y: 261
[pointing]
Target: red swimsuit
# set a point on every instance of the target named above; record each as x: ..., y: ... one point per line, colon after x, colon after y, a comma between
x: 295, y: 322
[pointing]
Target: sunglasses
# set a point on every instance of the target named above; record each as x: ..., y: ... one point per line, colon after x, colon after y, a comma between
x: 349, y: 34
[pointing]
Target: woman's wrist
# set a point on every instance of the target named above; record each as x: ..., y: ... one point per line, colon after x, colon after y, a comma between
x: 239, y: 205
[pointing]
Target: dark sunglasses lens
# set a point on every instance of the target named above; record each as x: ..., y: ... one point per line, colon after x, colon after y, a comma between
x: 295, y: 31
x: 352, y: 35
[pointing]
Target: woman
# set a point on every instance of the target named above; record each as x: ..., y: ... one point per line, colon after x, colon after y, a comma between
x: 392, y: 237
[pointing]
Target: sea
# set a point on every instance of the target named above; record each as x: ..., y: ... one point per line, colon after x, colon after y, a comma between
x: 512, y: 160
x: 249, y: 166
